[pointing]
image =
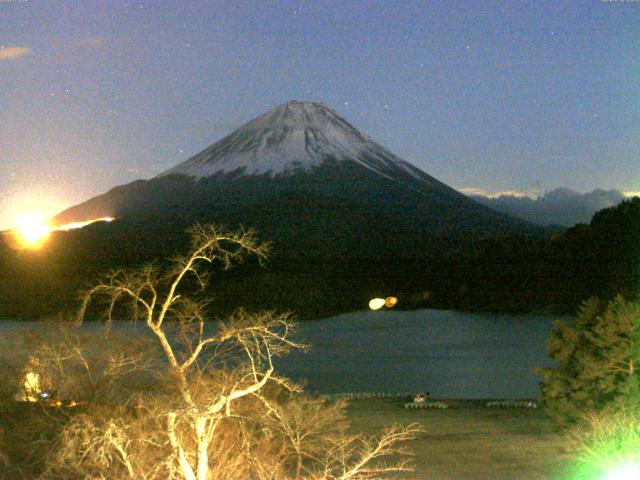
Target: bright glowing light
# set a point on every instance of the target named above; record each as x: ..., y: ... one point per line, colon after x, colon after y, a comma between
x: 74, y: 225
x: 32, y: 231
x: 376, y: 303
x: 390, y: 302
x: 626, y: 471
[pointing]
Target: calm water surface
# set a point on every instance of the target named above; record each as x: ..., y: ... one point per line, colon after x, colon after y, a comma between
x: 447, y: 353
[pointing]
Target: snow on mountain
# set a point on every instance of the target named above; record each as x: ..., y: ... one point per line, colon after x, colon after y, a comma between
x: 297, y: 162
x: 292, y: 137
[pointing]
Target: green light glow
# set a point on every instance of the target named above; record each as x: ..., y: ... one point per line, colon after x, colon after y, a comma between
x: 609, y: 449
x: 609, y: 470
x: 626, y: 471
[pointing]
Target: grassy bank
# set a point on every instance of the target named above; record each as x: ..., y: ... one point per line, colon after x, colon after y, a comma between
x: 471, y: 442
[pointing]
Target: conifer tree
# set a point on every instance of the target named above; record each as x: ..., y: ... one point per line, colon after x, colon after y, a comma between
x: 597, y: 360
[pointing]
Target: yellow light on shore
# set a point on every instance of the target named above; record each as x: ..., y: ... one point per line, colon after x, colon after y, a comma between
x: 390, y: 302
x: 376, y: 303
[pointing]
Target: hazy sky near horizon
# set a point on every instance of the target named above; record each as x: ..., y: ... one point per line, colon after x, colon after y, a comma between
x: 488, y: 95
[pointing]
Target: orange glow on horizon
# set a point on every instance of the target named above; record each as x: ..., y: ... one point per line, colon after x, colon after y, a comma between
x: 32, y: 231
x: 75, y: 225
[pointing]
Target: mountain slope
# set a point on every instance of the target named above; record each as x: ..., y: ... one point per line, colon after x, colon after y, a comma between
x: 300, y: 173
x: 347, y: 220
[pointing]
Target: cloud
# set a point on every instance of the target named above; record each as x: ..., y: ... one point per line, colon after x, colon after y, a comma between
x: 631, y: 194
x: 12, y: 52
x: 561, y: 206
x: 483, y: 193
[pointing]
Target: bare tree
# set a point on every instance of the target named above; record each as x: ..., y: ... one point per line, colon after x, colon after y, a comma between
x: 89, y: 366
x: 221, y: 410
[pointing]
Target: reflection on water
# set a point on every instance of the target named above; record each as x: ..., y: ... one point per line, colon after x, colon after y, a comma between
x: 450, y: 354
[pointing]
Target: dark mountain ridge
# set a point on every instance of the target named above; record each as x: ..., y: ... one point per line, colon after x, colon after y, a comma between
x: 300, y: 172
x: 346, y: 217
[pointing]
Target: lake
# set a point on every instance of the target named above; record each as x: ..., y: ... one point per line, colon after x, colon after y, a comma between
x: 447, y: 353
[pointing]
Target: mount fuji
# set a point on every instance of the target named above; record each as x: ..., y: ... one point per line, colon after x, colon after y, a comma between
x: 347, y: 220
x: 310, y: 182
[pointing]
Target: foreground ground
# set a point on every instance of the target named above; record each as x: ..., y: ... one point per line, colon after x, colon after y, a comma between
x: 471, y: 442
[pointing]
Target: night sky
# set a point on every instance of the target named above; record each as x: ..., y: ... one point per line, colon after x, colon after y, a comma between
x: 497, y: 95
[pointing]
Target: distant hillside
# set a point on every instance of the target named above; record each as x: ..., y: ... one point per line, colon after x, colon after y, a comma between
x: 512, y: 272
x: 506, y: 272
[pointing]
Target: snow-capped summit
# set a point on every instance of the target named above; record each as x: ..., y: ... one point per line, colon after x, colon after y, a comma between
x: 292, y: 137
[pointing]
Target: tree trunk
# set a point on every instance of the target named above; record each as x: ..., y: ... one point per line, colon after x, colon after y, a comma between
x: 185, y: 467
x: 203, y: 448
